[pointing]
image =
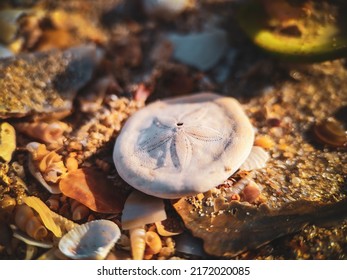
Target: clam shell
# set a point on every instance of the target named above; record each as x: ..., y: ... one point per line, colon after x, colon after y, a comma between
x: 92, y: 240
x: 141, y: 209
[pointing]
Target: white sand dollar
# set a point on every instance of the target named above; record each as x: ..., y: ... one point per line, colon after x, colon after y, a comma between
x: 183, y: 146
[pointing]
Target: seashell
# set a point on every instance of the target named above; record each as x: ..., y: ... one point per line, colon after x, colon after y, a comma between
x: 7, y: 204
x: 29, y: 240
x: 71, y: 164
x: 53, y: 203
x: 43, y: 131
x: 167, y: 9
x: 58, y: 76
x: 79, y: 211
x: 256, y: 159
x: 264, y: 141
x: 64, y: 223
x: 201, y: 50
x: 169, y: 227
x: 37, y: 150
x: 46, y: 166
x: 183, y: 146
x: 44, y: 212
x: 251, y: 192
x: 52, y: 167
x: 137, y: 242
x: 92, y: 188
x: 331, y: 132
x: 5, y: 52
x: 153, y: 243
x: 26, y: 221
x: 7, y: 141
x: 52, y: 188
x: 141, y: 209
x: 92, y: 240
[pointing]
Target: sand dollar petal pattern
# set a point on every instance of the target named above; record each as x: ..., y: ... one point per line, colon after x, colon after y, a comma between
x: 183, y: 146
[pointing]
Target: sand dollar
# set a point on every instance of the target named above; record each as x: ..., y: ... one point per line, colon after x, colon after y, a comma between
x: 183, y: 146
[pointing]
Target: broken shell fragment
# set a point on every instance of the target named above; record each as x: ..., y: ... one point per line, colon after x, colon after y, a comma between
x: 166, y: 9
x: 256, y: 159
x: 5, y: 52
x: 44, y: 212
x: 45, y: 83
x: 331, y: 132
x: 47, y: 132
x: 26, y: 221
x: 183, y: 146
x: 92, y: 188
x: 153, y: 243
x: 169, y: 227
x: 46, y: 166
x: 201, y: 50
x: 141, y: 209
x: 7, y: 141
x: 92, y: 240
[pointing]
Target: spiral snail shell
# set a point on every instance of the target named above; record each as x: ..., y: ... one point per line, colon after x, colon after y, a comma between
x: 27, y: 221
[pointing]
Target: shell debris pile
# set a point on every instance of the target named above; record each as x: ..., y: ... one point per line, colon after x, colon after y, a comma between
x: 111, y: 128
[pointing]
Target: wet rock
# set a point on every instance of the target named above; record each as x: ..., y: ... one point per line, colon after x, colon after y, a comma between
x: 240, y: 227
x: 44, y: 83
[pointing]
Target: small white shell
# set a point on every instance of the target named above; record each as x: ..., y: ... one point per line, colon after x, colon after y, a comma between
x: 256, y: 159
x: 141, y: 209
x: 202, y: 50
x: 92, y: 240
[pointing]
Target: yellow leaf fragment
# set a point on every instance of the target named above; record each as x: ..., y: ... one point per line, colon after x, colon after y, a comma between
x: 7, y: 141
x: 44, y: 212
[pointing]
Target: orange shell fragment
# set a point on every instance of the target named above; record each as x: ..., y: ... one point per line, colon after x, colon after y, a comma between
x: 92, y: 188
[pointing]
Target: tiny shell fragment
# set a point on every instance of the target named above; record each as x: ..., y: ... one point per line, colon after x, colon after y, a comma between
x: 7, y: 141
x: 201, y: 50
x: 93, y: 189
x: 51, y: 132
x: 141, y: 209
x: 256, y: 159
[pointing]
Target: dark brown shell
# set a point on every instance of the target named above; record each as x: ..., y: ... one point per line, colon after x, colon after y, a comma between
x: 241, y: 227
x: 92, y: 188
